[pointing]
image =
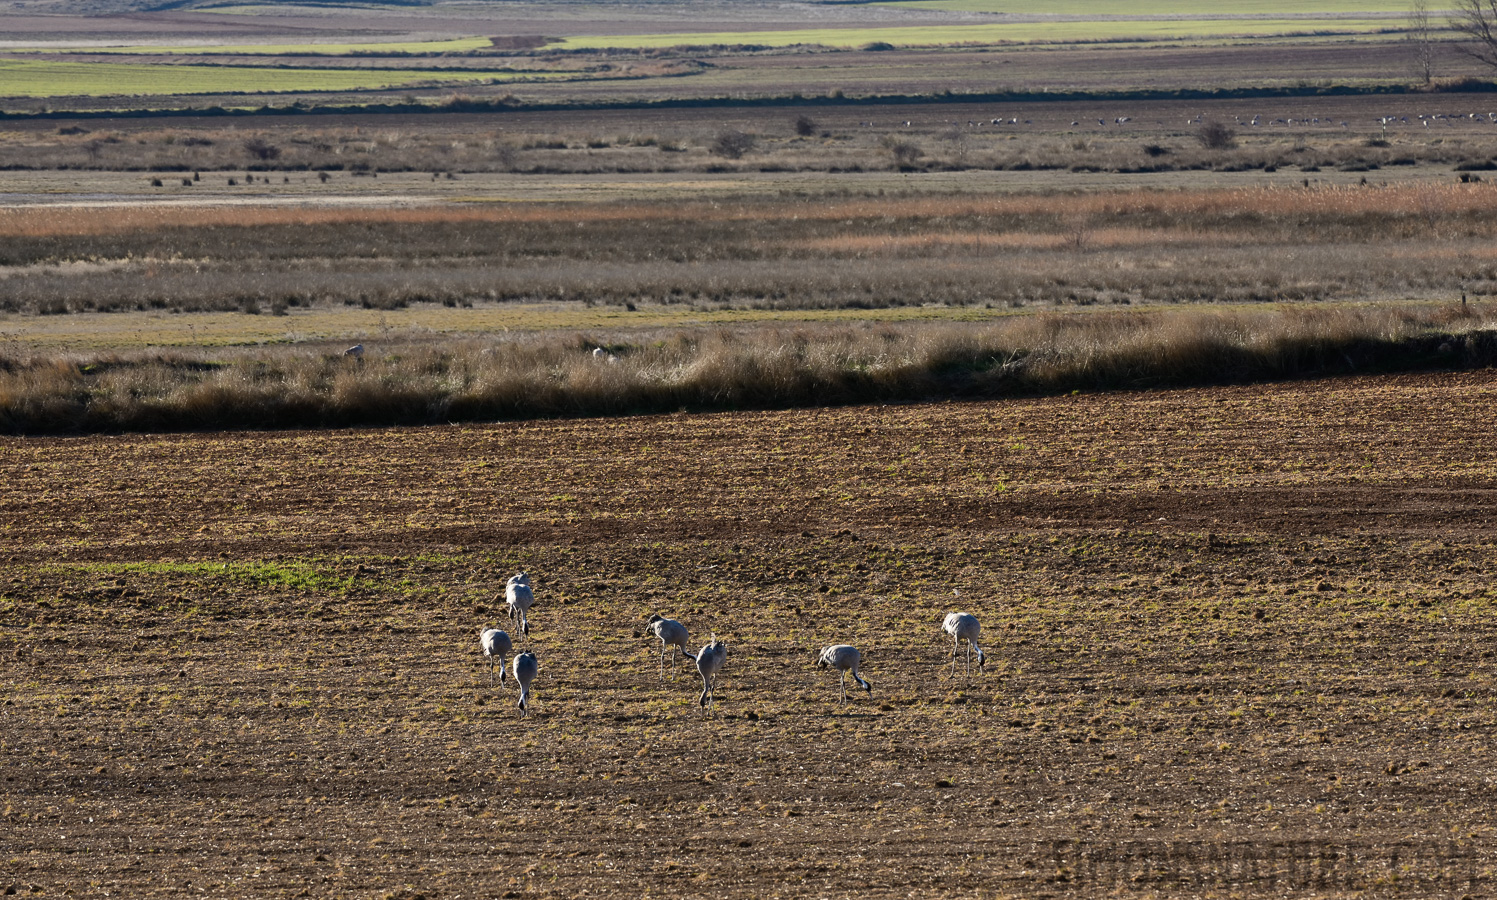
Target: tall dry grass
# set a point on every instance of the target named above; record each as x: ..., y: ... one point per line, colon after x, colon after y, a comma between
x: 542, y: 375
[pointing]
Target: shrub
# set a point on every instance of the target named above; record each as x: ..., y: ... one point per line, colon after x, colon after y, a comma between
x: 261, y: 149
x: 905, y: 153
x: 1216, y: 136
x: 731, y: 144
x: 805, y: 126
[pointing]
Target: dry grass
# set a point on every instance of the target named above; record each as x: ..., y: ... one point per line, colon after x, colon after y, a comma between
x: 1271, y: 203
x: 1120, y: 247
x: 943, y: 137
x: 727, y: 368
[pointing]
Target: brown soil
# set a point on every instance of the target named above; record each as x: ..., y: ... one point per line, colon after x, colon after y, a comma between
x: 1238, y: 646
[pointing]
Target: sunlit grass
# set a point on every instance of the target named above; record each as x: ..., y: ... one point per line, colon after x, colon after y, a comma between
x: 139, y: 330
x: 1019, y: 32
x: 455, y: 45
x: 1089, y: 8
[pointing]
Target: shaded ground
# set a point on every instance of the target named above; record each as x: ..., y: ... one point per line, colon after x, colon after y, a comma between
x: 1238, y: 646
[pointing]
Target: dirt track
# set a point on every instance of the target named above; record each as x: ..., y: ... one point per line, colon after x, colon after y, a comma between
x: 1238, y: 646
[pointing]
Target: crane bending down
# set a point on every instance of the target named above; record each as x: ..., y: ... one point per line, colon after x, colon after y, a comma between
x: 670, y: 633
x: 964, y: 627
x: 519, y: 597
x: 525, y: 669
x: 710, y: 661
x: 844, y: 659
x: 496, y: 645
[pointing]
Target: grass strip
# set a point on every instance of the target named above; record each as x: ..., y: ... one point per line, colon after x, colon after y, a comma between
x: 37, y: 78
x: 1090, y: 9
x: 1050, y: 32
x: 406, y: 48
x: 549, y: 375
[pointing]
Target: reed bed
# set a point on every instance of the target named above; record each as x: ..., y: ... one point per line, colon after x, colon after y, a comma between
x: 415, y: 381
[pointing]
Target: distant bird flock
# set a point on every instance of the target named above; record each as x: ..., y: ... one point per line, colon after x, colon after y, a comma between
x: 496, y: 645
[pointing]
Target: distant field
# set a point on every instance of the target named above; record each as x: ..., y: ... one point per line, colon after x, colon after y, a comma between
x: 1020, y: 32
x: 1130, y: 8
x: 456, y: 45
x: 27, y: 78
x: 140, y: 330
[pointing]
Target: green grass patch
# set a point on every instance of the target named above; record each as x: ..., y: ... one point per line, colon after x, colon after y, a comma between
x: 296, y: 576
x: 27, y: 78
x: 1014, y: 33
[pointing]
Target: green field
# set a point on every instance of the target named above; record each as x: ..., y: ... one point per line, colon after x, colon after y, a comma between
x: 26, y: 78
x: 456, y: 45
x: 1146, y: 8
x: 1018, y: 33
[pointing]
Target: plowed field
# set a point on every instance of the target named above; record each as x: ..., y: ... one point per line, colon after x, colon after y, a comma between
x: 1240, y: 643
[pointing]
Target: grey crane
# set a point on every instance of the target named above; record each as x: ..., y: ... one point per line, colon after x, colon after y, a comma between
x: 525, y: 669
x: 670, y: 633
x: 844, y: 658
x: 710, y: 661
x: 519, y: 597
x: 496, y: 645
x: 964, y: 627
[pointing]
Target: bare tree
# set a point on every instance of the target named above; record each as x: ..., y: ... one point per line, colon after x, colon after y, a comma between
x: 1476, y: 20
x: 1421, y: 36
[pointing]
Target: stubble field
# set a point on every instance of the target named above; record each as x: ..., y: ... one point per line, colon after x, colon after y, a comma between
x: 1238, y: 638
